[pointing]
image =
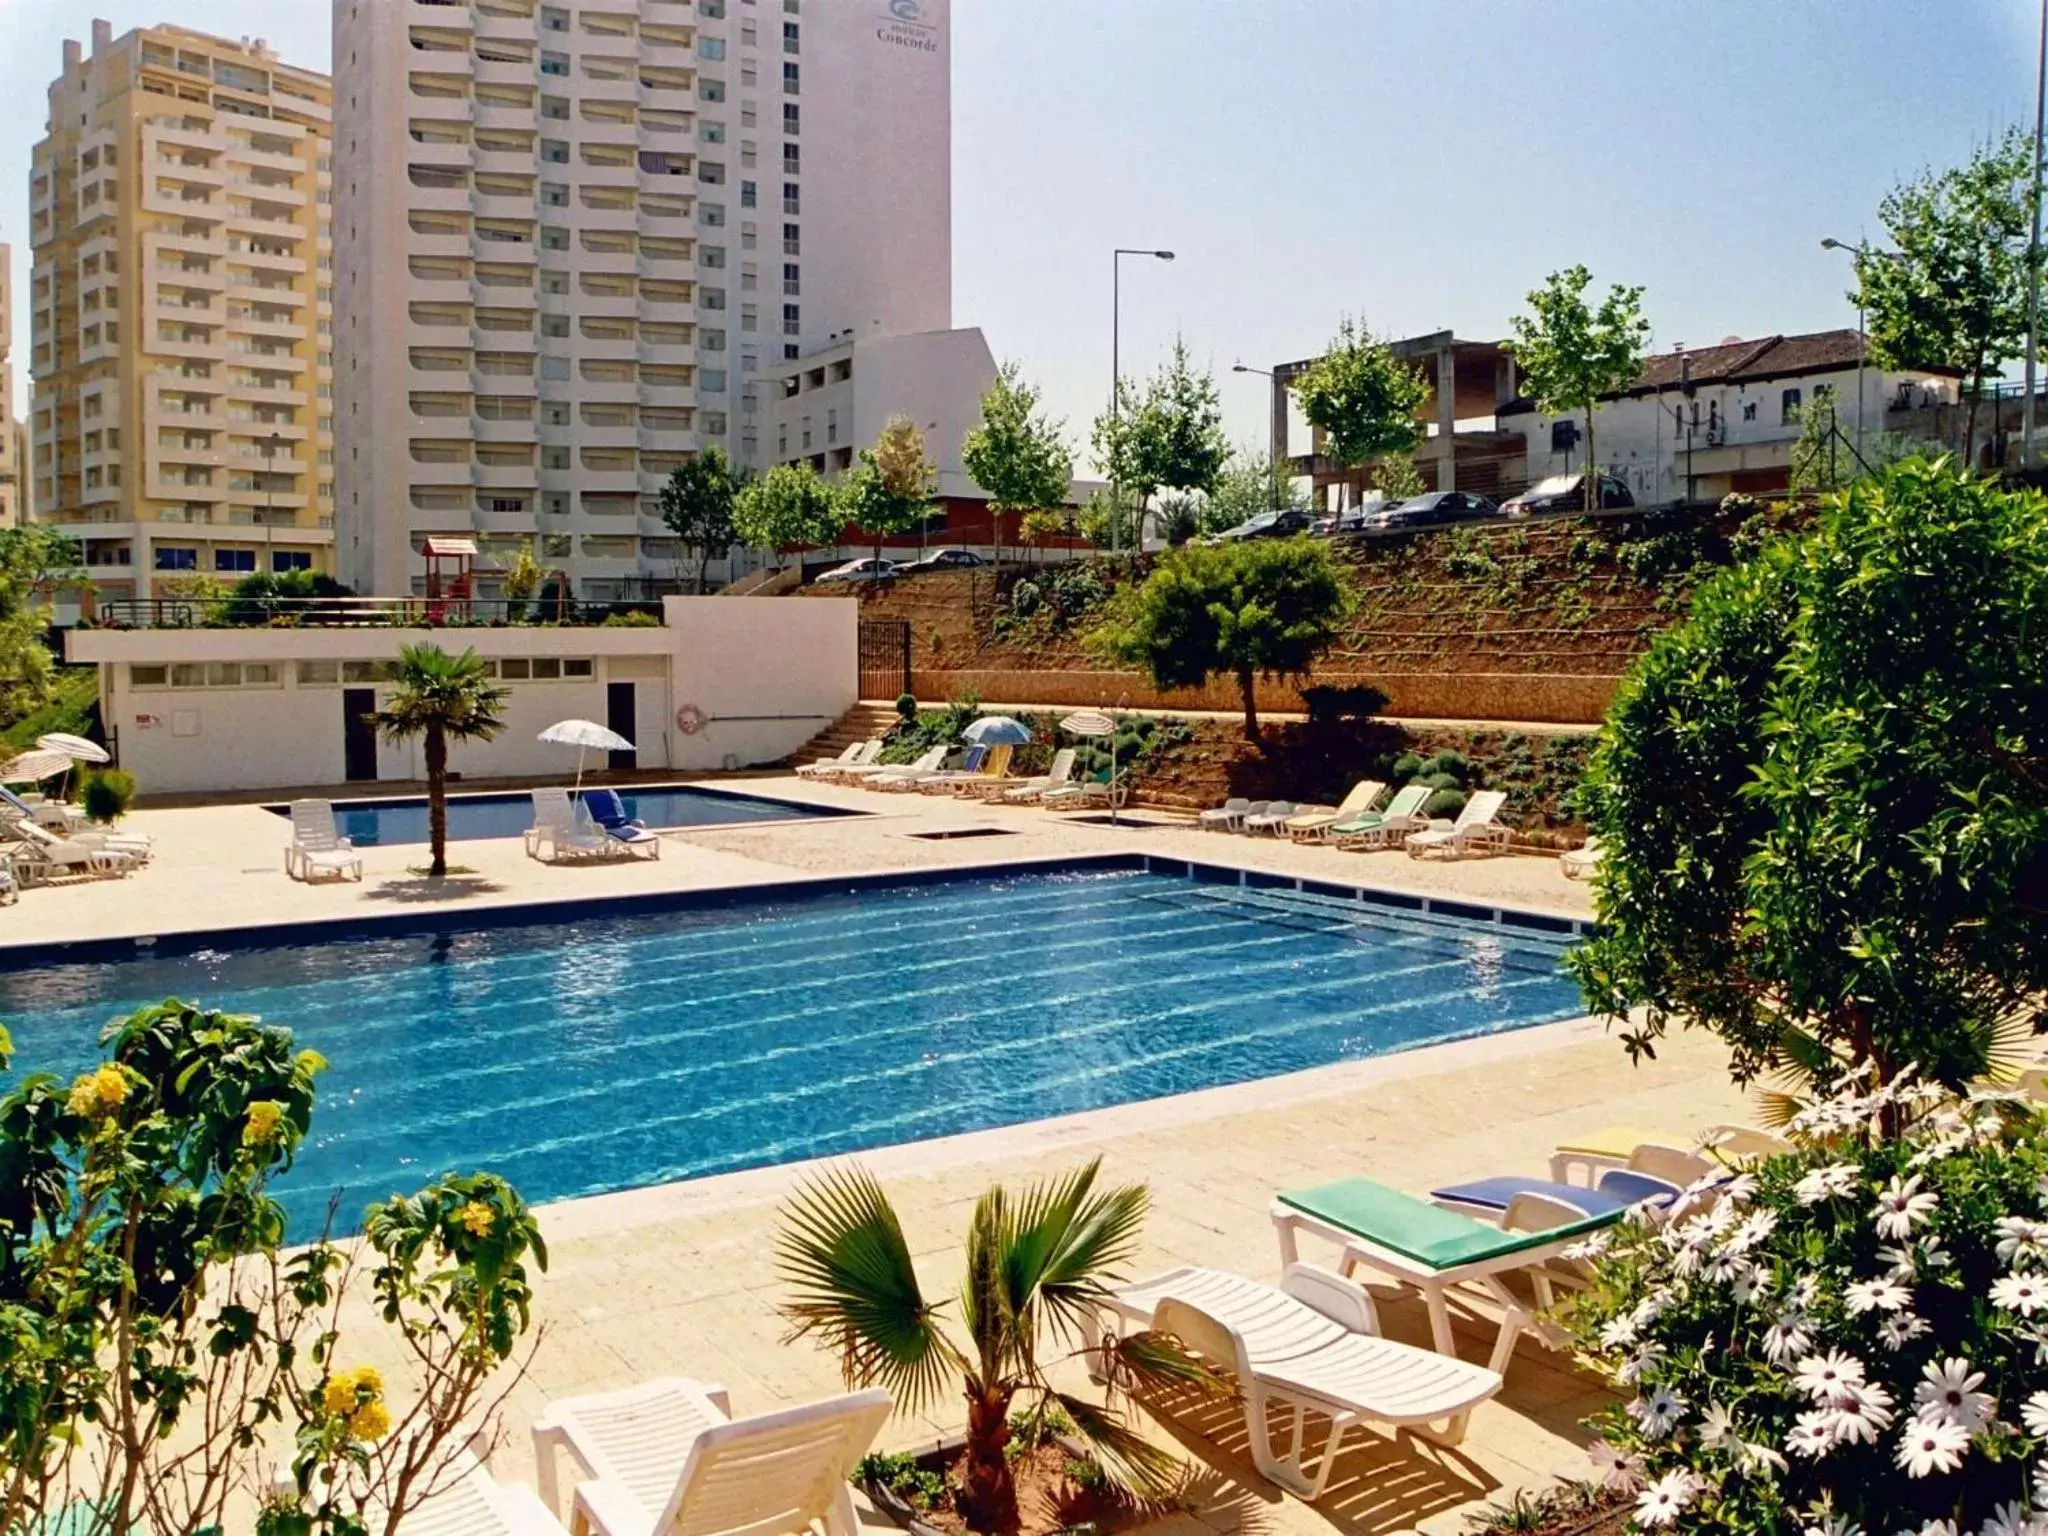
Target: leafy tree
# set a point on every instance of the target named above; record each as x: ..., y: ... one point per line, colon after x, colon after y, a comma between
x: 157, y: 1327
x: 1169, y: 437
x: 33, y: 560
x: 1823, y: 800
x: 697, y: 505
x: 520, y: 581
x: 1361, y: 397
x: 1017, y: 454
x: 889, y: 490
x: 1040, y: 1265
x: 1252, y: 482
x: 1263, y: 607
x: 1397, y: 477
x: 1952, y: 292
x: 441, y: 699
x: 1571, y: 354
x: 786, y: 508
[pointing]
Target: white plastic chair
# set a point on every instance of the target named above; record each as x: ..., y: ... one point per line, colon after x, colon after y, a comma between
x: 316, y: 848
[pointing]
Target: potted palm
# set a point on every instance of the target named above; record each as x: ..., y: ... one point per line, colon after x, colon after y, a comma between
x: 441, y: 698
x: 1039, y: 1265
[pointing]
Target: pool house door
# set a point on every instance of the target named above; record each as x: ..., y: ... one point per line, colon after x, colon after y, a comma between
x: 358, y: 733
x: 618, y: 716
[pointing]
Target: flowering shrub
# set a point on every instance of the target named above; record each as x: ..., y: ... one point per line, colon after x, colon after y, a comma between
x: 1852, y: 1337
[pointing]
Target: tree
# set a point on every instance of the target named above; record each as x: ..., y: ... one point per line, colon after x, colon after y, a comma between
x: 889, y: 490
x: 1253, y: 481
x: 33, y: 560
x: 1952, y: 292
x: 1017, y: 454
x: 1823, y: 800
x: 1571, y: 354
x: 1397, y: 478
x: 1260, y: 607
x: 697, y: 505
x: 1040, y: 1265
x: 442, y: 699
x: 1170, y: 437
x: 520, y: 581
x: 786, y: 508
x: 1361, y: 397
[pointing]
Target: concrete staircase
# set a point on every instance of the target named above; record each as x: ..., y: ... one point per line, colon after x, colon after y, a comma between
x: 857, y: 724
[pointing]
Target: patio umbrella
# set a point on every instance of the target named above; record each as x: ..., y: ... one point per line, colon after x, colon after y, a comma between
x: 996, y: 731
x: 1093, y: 722
x: 584, y: 735
x: 76, y: 748
x: 34, y: 766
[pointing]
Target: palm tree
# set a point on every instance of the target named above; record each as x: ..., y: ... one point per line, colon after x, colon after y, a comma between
x: 1039, y: 1263
x: 442, y: 698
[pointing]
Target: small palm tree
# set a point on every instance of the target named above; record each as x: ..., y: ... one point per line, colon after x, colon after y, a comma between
x: 442, y: 698
x: 1038, y: 1264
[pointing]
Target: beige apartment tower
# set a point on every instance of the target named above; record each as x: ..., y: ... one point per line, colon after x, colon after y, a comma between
x: 13, y: 494
x: 180, y: 311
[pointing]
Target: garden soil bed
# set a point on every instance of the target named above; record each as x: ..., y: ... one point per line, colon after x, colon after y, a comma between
x: 1047, y: 1499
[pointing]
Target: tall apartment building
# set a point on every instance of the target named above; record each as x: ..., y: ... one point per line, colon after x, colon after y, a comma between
x: 13, y: 496
x: 180, y: 313
x: 574, y: 240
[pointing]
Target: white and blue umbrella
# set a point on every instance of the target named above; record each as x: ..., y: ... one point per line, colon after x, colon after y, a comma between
x: 997, y: 731
x: 584, y: 735
x: 1093, y: 722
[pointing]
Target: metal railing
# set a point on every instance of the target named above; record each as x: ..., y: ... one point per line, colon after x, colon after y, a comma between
x: 253, y: 612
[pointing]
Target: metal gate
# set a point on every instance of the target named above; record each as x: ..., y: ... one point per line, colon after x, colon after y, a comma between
x: 884, y: 658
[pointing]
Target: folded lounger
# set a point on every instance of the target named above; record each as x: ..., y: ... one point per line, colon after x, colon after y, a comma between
x: 667, y: 1457
x: 1617, y: 1190
x: 1428, y: 1249
x: 1311, y: 1345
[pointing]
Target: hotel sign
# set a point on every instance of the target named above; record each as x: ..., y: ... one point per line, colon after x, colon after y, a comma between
x: 905, y: 25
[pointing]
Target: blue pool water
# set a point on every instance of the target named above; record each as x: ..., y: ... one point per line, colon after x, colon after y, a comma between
x: 381, y: 823
x: 602, y: 1055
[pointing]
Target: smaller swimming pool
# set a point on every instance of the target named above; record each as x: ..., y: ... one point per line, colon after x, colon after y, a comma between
x: 385, y: 823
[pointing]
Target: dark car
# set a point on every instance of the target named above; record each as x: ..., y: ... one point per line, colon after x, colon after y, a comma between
x: 1431, y: 509
x: 1350, y: 520
x: 1277, y: 524
x: 941, y: 560
x: 1566, y: 493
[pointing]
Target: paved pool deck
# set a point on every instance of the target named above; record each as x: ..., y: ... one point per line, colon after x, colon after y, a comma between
x: 679, y: 1279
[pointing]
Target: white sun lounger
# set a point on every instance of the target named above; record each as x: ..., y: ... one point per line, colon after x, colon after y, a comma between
x: 1581, y: 861
x: 470, y: 1502
x: 39, y: 851
x: 667, y: 1457
x: 560, y: 835
x: 1312, y: 1346
x: 906, y: 775
x: 1311, y: 826
x: 1228, y: 816
x: 1034, y: 790
x: 854, y: 752
x: 1474, y: 828
x: 1373, y: 830
x: 1273, y: 818
x: 316, y: 848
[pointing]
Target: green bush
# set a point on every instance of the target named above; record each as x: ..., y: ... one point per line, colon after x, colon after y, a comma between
x: 1444, y: 802
x: 1453, y: 765
x: 108, y: 794
x: 1407, y: 766
x: 630, y: 618
x: 1439, y: 780
x: 1025, y: 598
x: 906, y: 706
x: 902, y: 1476
x: 1328, y: 703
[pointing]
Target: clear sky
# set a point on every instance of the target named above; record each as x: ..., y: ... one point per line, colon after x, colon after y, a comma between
x: 1420, y: 165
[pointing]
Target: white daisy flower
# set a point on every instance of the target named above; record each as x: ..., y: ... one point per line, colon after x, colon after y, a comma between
x: 1617, y: 1472
x: 2034, y: 1414
x: 1902, y: 1206
x: 2022, y: 1239
x: 1900, y: 1263
x: 1804, y: 1293
x: 1812, y: 1434
x: 1665, y: 1499
x: 2009, y: 1520
x: 1759, y: 1460
x: 1755, y: 1227
x: 1658, y: 1413
x: 1786, y: 1338
x: 1747, y: 1285
x: 1830, y: 1378
x: 1618, y: 1334
x: 1862, y: 1413
x: 1717, y: 1429
x: 1831, y: 1182
x: 2041, y: 1484
x: 2025, y: 1294
x: 1929, y: 1446
x: 1947, y: 1394
x: 1935, y: 1528
x: 1591, y: 1247
x: 1827, y: 1523
x: 1875, y: 1296
x: 1901, y: 1329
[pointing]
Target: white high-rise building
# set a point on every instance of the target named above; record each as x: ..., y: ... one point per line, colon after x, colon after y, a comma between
x: 574, y: 241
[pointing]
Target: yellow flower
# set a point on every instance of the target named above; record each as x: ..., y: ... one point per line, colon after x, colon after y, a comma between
x: 99, y: 1091
x: 265, y: 1117
x: 372, y: 1421
x: 85, y: 1096
x: 350, y: 1392
x: 478, y: 1218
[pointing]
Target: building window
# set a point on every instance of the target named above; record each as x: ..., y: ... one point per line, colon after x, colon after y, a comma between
x: 792, y: 159
x: 792, y: 198
x: 790, y: 37
x: 792, y: 278
x: 792, y: 118
x: 1564, y: 435
x: 291, y: 560
x: 176, y: 559
x: 792, y: 320
x: 791, y: 79
x: 711, y: 380
x: 711, y: 47
x: 792, y: 240
x: 750, y: 194
x: 314, y: 673
x: 709, y: 89
x: 234, y: 560
x: 1788, y: 407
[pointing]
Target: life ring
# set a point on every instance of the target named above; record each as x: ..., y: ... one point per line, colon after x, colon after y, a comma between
x: 690, y: 720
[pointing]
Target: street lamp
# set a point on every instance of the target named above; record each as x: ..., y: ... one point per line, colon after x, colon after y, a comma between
x: 1276, y: 416
x: 1860, y: 250
x: 1116, y: 386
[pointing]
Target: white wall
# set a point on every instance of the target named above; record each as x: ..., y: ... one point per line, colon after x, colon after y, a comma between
x: 767, y: 678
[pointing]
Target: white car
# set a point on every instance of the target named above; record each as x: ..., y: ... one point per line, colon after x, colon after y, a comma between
x: 869, y: 569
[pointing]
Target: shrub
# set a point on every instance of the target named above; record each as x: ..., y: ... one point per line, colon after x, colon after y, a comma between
x: 107, y: 794
x: 1444, y: 802
x: 1855, y: 1336
x: 1024, y: 599
x: 630, y: 618
x: 1328, y: 703
x: 1453, y: 765
x: 906, y: 706
x: 1407, y: 766
x: 902, y: 1476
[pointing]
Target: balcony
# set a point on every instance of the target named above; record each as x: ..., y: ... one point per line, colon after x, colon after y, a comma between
x: 508, y: 162
x: 420, y: 473
x: 268, y: 259
x: 448, y: 109
x: 620, y: 306
x: 491, y: 429
x: 506, y: 477
x: 682, y: 395
x: 501, y: 205
x: 498, y: 115
x: 606, y: 435
x: 423, y: 198
x: 502, y: 72
x: 600, y: 349
x: 684, y: 352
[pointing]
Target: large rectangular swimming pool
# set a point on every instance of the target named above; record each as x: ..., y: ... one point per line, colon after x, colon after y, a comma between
x: 382, y: 823
x: 624, y: 1051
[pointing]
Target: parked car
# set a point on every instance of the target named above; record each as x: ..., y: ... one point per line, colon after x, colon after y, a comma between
x: 941, y: 560
x: 869, y: 569
x: 1431, y: 509
x: 1350, y: 520
x: 1566, y: 493
x: 1277, y: 524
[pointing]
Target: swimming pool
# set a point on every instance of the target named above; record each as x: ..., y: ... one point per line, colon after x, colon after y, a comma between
x: 617, y: 1052
x: 382, y: 823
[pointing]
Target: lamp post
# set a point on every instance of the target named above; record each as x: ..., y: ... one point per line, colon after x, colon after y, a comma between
x: 2034, y: 250
x: 1116, y: 387
x: 1860, y: 251
x: 1276, y: 420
